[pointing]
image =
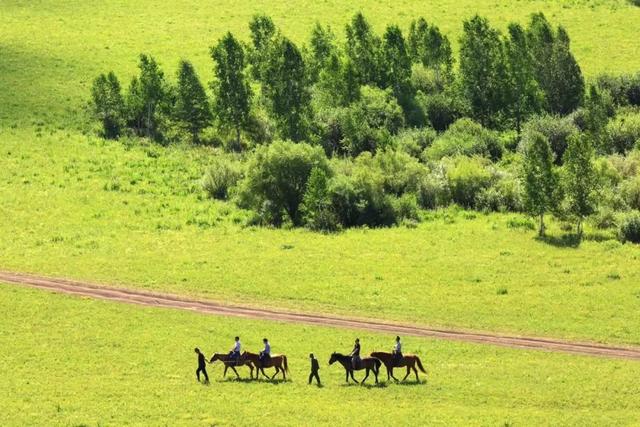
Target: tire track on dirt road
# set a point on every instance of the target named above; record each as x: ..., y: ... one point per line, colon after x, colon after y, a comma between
x: 154, y: 299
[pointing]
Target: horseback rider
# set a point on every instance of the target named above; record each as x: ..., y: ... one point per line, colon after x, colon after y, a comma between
x: 397, y: 352
x: 234, y: 354
x: 355, y: 354
x: 265, y: 354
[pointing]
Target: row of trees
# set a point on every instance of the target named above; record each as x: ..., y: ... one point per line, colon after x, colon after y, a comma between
x: 272, y: 88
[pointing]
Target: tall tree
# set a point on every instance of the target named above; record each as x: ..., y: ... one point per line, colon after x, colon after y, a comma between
x: 231, y: 89
x: 108, y: 104
x: 580, y: 179
x: 541, y: 39
x: 363, y: 50
x: 316, y: 209
x: 147, y: 94
x: 597, y: 109
x: 482, y: 69
x: 568, y: 84
x: 429, y: 47
x: 285, y: 86
x: 321, y: 48
x: 192, y: 106
x: 539, y: 178
x: 524, y: 96
x: 397, y: 64
x: 263, y: 36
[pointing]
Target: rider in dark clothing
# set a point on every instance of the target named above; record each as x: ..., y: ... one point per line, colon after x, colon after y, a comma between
x: 265, y: 354
x: 202, y: 366
x: 397, y: 352
x: 315, y: 367
x: 355, y: 354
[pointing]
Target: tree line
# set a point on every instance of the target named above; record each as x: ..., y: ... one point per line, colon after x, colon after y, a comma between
x: 378, y: 126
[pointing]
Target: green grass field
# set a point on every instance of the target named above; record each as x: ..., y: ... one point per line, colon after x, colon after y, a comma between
x: 88, y: 362
x: 96, y: 210
x: 51, y: 50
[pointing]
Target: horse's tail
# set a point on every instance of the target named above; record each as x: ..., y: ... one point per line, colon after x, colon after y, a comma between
x: 378, y: 364
x: 286, y: 365
x: 419, y: 363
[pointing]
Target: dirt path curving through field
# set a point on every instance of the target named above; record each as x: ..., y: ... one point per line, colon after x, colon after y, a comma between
x: 154, y: 299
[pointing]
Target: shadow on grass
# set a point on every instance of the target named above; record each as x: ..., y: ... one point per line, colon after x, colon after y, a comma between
x: 565, y: 241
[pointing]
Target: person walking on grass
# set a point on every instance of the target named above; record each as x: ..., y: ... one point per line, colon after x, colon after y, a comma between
x: 202, y: 366
x: 315, y: 367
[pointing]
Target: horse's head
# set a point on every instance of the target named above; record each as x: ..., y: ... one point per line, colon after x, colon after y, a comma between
x: 334, y: 358
x: 215, y: 357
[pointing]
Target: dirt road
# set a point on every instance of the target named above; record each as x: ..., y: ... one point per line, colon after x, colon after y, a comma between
x: 216, y: 308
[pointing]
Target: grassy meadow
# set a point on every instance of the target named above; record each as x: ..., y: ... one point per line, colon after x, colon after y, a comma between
x: 100, y: 210
x: 88, y: 362
x: 51, y: 50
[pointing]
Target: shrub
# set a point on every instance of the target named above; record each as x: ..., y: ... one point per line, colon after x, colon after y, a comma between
x: 441, y: 109
x: 504, y: 195
x: 220, y: 177
x: 629, y: 230
x: 556, y: 129
x: 604, y: 219
x: 631, y: 192
x: 467, y: 177
x: 406, y: 208
x: 623, y: 133
x: 414, y: 141
x: 468, y: 138
x: 278, y: 174
x: 369, y: 123
x: 624, y: 89
x: 317, y: 212
x: 400, y: 172
x: 433, y: 189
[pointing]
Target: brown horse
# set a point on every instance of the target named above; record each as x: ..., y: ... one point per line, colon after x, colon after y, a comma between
x: 278, y: 361
x: 368, y: 363
x: 231, y: 363
x: 408, y: 360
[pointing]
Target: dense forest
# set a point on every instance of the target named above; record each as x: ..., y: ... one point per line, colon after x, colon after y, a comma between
x: 377, y: 128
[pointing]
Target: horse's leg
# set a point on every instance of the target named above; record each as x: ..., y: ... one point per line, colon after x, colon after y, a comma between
x: 408, y: 372
x: 375, y: 373
x: 392, y: 376
x: 366, y: 376
x: 277, y: 370
x: 346, y: 372
x: 224, y: 374
x: 416, y: 372
x: 236, y: 372
x: 353, y: 378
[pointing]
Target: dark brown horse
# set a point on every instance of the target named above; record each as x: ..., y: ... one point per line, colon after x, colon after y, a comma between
x: 278, y: 361
x: 368, y: 363
x: 231, y: 363
x: 408, y: 360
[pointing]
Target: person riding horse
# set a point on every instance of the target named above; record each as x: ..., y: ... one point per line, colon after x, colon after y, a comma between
x: 397, y: 352
x: 235, y: 351
x: 355, y: 354
x: 265, y: 354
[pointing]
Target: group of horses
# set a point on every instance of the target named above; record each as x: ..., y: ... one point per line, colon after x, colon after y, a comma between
x: 368, y: 364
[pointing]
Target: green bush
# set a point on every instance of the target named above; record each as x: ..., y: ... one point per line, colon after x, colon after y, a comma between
x: 370, y: 123
x: 433, y: 189
x: 441, y: 109
x: 414, y: 141
x: 556, y: 129
x: 505, y: 195
x: 629, y: 230
x: 220, y: 177
x: 623, y: 133
x: 467, y: 138
x: 468, y: 177
x: 400, y: 172
x: 624, y: 89
x: 631, y: 192
x: 406, y: 208
x: 277, y: 175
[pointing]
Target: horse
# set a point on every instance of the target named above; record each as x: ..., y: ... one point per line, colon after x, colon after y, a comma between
x: 278, y: 361
x: 408, y: 360
x: 368, y: 363
x: 231, y: 363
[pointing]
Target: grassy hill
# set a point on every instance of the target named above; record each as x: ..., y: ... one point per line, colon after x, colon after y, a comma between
x: 84, y: 362
x: 100, y: 210
x: 51, y: 51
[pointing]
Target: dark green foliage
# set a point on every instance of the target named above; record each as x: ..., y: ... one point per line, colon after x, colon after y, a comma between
x: 595, y: 115
x: 370, y: 123
x: 441, y: 109
x: 623, y: 133
x: 231, y: 89
x: 147, y: 99
x: 277, y: 177
x: 579, y: 179
x: 285, y: 86
x: 220, y: 177
x: 483, y: 71
x: 414, y: 141
x: 428, y: 46
x: 523, y: 95
x: 108, y: 104
x: 624, y: 89
x: 317, y: 211
x: 396, y: 64
x: 322, y: 50
x: 263, y: 37
x: 629, y: 230
x: 556, y: 130
x: 468, y: 177
x: 539, y: 178
x: 191, y: 109
x: 468, y: 138
x: 363, y: 51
